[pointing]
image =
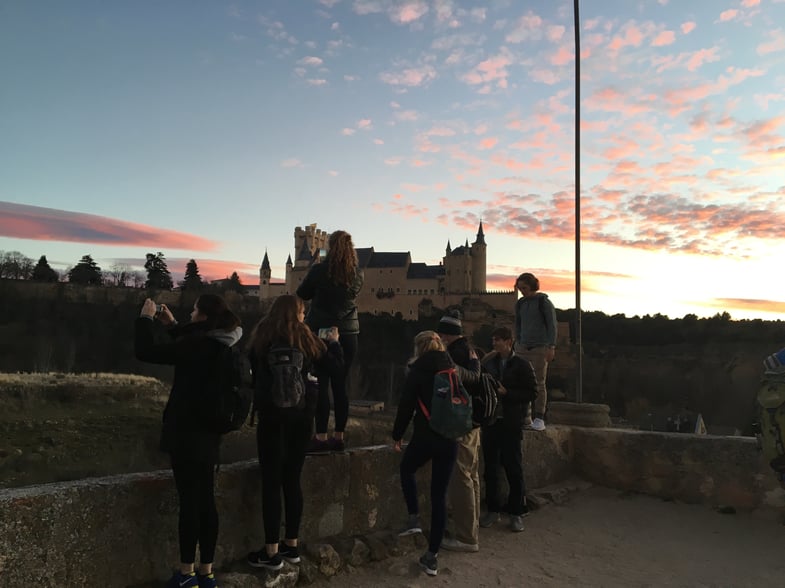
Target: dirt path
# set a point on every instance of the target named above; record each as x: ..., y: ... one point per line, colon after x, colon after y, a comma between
x: 601, y: 538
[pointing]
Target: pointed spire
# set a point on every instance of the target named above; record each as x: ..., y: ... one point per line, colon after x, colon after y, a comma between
x: 466, y: 244
x: 449, y: 249
x: 480, y: 235
x: 289, y: 259
x: 266, y: 261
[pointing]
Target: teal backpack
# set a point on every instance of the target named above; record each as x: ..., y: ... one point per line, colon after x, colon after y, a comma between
x: 451, y: 405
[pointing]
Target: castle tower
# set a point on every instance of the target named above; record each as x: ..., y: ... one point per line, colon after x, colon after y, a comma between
x: 264, y: 278
x: 478, y: 254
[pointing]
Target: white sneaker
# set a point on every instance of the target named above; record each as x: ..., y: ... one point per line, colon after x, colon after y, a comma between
x: 537, y: 425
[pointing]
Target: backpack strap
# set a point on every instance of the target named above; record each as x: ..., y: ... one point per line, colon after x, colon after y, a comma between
x: 424, y: 410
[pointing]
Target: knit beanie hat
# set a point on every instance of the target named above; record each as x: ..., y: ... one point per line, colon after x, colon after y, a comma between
x: 450, y: 324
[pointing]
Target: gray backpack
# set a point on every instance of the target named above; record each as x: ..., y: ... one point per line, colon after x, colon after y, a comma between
x: 288, y: 388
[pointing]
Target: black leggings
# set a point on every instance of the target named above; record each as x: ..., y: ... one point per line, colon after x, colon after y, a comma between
x: 337, y: 382
x: 442, y: 453
x: 198, y: 518
x: 281, y: 440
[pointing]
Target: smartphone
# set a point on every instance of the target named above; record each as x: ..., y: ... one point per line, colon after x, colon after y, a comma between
x: 324, y: 333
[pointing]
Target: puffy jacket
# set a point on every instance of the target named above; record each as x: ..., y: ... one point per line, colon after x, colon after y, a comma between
x: 331, y: 304
x: 194, y: 352
x: 518, y: 378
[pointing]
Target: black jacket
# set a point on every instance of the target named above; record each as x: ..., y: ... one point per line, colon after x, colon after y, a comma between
x: 331, y: 304
x: 419, y: 387
x: 195, y: 356
x: 517, y: 377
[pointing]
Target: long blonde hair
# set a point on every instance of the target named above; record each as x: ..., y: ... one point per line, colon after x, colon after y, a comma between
x: 282, y: 323
x: 425, y: 341
x: 341, y: 258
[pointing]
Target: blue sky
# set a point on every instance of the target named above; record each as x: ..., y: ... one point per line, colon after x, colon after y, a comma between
x: 210, y: 130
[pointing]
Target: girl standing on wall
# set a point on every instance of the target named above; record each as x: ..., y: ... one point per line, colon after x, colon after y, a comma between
x: 332, y: 287
x: 195, y: 351
x: 426, y: 445
x: 282, y: 434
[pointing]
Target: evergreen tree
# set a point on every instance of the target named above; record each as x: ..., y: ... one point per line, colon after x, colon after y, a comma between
x: 86, y: 272
x: 43, y: 272
x: 158, y: 275
x: 235, y: 284
x: 192, y: 280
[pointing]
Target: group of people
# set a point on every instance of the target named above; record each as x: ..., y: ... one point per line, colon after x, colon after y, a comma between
x: 518, y: 363
x: 327, y: 338
x: 284, y: 435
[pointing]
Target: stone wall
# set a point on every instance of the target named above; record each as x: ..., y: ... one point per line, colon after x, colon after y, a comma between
x: 86, y: 533
x: 705, y: 469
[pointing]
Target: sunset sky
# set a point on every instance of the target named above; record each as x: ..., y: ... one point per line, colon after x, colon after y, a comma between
x: 209, y: 130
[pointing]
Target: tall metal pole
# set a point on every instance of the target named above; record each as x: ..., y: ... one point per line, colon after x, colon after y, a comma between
x: 578, y: 340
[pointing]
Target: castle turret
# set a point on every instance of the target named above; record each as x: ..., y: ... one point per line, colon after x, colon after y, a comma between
x: 478, y: 253
x: 449, y: 249
x: 265, y: 272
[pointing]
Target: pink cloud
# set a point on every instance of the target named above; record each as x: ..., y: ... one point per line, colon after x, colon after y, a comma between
x: 488, y: 143
x: 633, y: 36
x: 750, y: 3
x: 490, y: 70
x: 664, y: 38
x: 728, y: 15
x: 23, y: 221
x: 563, y: 55
x: 688, y: 27
x: 408, y: 12
x: 776, y: 43
x: 527, y: 27
x: 412, y: 76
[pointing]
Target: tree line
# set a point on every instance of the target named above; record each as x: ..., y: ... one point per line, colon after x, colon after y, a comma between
x: 17, y: 266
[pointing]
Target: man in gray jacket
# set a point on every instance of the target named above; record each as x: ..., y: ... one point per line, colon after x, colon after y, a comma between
x: 535, y: 338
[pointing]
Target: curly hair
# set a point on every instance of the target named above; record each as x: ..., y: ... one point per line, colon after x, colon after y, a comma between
x: 282, y: 323
x: 341, y: 259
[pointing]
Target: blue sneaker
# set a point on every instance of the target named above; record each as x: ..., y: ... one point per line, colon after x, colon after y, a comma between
x: 208, y: 581
x: 179, y: 580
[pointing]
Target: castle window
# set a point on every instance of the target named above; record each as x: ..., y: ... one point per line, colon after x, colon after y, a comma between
x: 397, y: 289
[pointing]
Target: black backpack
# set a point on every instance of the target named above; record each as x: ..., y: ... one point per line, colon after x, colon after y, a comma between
x: 288, y: 383
x: 485, y: 399
x: 228, y: 401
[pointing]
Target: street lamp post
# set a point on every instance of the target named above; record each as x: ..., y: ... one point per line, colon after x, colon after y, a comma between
x: 578, y: 340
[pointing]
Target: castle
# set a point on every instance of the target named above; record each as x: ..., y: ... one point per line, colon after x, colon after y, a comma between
x: 393, y: 283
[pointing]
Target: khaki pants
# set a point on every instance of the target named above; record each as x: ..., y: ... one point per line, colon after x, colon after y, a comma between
x: 464, y: 489
x: 537, y: 358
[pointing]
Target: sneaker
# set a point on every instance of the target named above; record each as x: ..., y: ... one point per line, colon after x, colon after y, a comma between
x: 179, y: 580
x: 537, y: 425
x: 454, y: 545
x: 412, y: 527
x: 260, y: 559
x: 429, y: 564
x: 317, y: 446
x: 516, y: 523
x: 336, y: 444
x: 289, y: 553
x: 208, y: 581
x: 489, y: 518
